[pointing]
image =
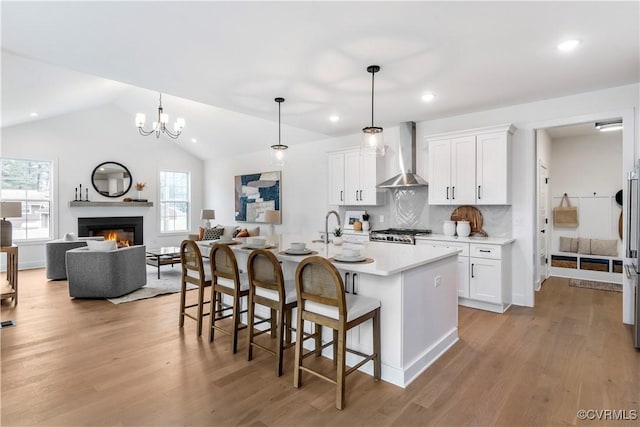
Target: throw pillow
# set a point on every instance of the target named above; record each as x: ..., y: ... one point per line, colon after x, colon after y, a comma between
x: 254, y: 231
x: 201, y: 234
x: 565, y: 244
x: 229, y: 230
x: 604, y: 247
x: 243, y: 233
x: 101, y: 245
x: 212, y: 233
x: 584, y: 246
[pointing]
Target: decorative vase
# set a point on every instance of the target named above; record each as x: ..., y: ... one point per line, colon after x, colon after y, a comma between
x: 338, y: 241
x: 463, y: 228
x: 449, y: 228
x: 365, y: 225
x: 139, y: 194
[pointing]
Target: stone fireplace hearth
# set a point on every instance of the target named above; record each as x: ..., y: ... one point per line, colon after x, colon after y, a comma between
x: 126, y: 230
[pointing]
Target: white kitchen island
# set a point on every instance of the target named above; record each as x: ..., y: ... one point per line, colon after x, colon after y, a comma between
x: 417, y: 287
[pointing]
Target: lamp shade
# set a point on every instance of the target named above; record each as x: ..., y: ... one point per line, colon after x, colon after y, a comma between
x: 272, y: 217
x: 10, y: 209
x: 207, y: 214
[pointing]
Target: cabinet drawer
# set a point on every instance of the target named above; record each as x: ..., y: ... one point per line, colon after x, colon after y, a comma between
x: 485, y: 251
x: 444, y: 244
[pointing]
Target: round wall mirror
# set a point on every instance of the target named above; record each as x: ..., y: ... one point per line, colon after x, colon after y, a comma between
x: 111, y: 179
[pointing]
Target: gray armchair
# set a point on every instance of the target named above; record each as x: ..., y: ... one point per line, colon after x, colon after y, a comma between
x: 55, y: 250
x: 105, y: 274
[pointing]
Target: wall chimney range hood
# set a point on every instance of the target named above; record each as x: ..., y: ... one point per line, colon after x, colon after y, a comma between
x: 407, y: 178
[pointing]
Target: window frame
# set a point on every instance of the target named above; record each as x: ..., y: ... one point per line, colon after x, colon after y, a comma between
x: 161, y: 203
x: 53, y: 205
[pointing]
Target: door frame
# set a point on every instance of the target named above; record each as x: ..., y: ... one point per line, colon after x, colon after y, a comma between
x: 628, y: 159
x: 541, y: 165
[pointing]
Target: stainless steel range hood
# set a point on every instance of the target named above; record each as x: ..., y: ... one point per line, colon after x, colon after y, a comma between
x: 407, y: 158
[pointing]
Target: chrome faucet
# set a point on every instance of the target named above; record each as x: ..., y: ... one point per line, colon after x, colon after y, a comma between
x: 326, y: 225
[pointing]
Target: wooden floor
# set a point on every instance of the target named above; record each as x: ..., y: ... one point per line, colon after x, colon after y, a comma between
x: 85, y: 362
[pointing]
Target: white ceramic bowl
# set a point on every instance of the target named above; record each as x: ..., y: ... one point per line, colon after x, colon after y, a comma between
x: 351, y: 252
x: 256, y: 241
x: 298, y: 246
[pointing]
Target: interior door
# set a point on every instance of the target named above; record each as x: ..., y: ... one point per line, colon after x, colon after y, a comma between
x: 543, y: 224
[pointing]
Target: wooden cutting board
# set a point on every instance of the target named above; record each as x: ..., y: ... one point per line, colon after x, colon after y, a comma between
x: 471, y: 214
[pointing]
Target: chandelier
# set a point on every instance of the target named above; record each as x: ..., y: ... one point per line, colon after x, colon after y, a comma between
x: 160, y: 126
x: 372, y: 138
x: 278, y: 149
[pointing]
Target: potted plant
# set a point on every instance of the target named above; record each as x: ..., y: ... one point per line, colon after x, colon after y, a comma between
x: 365, y: 222
x: 337, y: 239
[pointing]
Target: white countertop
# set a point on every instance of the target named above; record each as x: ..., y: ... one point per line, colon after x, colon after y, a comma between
x: 390, y: 258
x: 471, y: 239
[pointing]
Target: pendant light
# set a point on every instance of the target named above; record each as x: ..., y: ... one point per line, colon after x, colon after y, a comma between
x: 372, y: 138
x: 278, y: 149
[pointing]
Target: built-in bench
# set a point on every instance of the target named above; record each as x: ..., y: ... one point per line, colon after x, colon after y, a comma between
x: 589, y: 267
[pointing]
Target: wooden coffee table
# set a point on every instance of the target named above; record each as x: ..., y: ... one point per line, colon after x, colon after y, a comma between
x: 163, y: 256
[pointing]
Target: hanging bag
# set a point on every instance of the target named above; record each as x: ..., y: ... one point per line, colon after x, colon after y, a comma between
x: 565, y: 216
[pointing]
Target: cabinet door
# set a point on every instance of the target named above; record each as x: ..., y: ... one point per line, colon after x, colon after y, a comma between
x: 336, y: 179
x: 368, y: 179
x: 440, y: 172
x: 485, y: 283
x: 352, y: 177
x: 463, y: 170
x: 493, y: 169
x: 463, y: 276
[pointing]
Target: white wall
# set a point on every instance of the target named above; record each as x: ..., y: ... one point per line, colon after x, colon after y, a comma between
x: 77, y: 143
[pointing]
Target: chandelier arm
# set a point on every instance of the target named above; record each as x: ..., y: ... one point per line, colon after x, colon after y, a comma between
x: 145, y: 132
x: 172, y: 135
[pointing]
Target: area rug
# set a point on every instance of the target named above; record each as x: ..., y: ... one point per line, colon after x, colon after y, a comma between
x: 168, y: 283
x: 592, y: 284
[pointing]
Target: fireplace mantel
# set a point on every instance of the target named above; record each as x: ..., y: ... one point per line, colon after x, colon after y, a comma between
x: 76, y: 204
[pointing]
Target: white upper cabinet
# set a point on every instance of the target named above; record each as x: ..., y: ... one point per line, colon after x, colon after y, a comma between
x: 470, y: 167
x: 353, y: 178
x: 336, y: 179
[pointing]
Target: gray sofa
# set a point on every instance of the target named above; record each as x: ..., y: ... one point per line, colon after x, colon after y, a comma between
x: 55, y: 250
x: 105, y: 274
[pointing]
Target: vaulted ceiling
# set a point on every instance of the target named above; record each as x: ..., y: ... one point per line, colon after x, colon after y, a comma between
x: 221, y: 64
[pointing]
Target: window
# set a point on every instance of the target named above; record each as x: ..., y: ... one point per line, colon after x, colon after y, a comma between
x: 29, y: 182
x: 175, y: 201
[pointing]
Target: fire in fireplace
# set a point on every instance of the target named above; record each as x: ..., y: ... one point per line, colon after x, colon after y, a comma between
x: 126, y: 231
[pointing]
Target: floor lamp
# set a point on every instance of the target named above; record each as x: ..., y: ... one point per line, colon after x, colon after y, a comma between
x: 8, y: 210
x: 271, y: 217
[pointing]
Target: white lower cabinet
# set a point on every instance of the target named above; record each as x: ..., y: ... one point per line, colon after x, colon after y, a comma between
x: 484, y: 274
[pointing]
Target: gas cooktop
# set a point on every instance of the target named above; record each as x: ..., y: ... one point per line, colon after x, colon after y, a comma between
x: 397, y: 235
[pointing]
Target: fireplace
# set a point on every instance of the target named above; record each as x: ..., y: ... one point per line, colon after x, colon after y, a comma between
x: 125, y: 230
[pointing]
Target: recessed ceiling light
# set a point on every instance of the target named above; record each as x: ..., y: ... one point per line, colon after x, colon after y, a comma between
x: 194, y: 140
x: 34, y: 114
x: 568, y: 45
x: 334, y: 118
x: 428, y: 97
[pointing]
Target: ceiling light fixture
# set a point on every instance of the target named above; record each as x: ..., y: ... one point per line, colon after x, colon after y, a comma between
x: 278, y: 149
x: 568, y: 45
x: 609, y: 125
x: 428, y: 97
x: 160, y: 126
x: 372, y: 138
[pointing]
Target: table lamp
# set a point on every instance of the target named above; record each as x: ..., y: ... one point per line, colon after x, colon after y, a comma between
x: 207, y: 215
x: 8, y: 210
x: 271, y: 217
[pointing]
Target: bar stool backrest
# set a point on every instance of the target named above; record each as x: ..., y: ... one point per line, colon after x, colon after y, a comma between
x: 318, y: 280
x: 192, y: 265
x: 265, y: 272
x: 224, y: 264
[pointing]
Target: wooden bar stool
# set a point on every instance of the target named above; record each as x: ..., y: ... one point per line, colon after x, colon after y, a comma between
x: 193, y: 272
x: 322, y: 300
x: 267, y: 287
x: 227, y: 280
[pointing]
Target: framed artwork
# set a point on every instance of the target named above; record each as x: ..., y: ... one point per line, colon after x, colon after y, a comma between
x: 257, y: 197
x: 350, y: 217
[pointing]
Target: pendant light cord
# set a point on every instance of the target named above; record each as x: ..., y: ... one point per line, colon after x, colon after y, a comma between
x: 373, y: 75
x: 279, y: 134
